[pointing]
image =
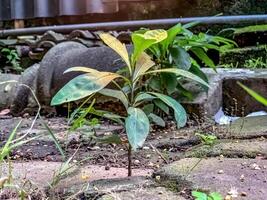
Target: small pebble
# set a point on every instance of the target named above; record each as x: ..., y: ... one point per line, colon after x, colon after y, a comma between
x: 107, y: 168
x: 148, y: 156
x: 108, y: 133
x: 242, y: 178
x: 228, y: 197
x: 220, y: 172
x: 136, y: 162
x: 146, y: 148
x: 243, y: 194
x: 255, y: 167
x: 150, y: 164
x: 157, y: 178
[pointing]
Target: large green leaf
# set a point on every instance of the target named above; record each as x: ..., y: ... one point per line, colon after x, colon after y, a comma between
x: 143, y: 97
x: 254, y: 94
x: 115, y: 94
x: 195, y: 69
x: 169, y: 80
x: 83, y: 86
x: 143, y: 64
x: 181, y: 58
x: 137, y: 127
x: 162, y: 106
x: 143, y: 41
x: 117, y: 46
x: 179, y: 111
x: 201, y: 54
x: 180, y: 72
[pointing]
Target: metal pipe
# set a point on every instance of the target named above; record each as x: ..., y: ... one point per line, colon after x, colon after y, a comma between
x: 133, y: 25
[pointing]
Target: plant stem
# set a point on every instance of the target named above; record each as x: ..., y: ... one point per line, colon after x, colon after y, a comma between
x: 130, y: 160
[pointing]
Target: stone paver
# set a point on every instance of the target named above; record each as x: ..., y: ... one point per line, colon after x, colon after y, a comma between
x: 247, y: 176
x: 41, y: 173
x: 158, y: 193
x: 249, y: 127
x: 232, y: 149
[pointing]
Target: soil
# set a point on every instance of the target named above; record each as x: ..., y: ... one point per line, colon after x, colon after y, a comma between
x: 156, y: 152
x: 103, y: 164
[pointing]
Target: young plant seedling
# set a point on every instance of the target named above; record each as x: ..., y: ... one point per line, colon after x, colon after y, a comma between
x: 205, y: 196
x: 131, y: 91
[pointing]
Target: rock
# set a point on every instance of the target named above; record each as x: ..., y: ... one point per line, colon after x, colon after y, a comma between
x: 204, y: 176
x: 48, y: 67
x: 23, y: 97
x: 249, y: 127
x: 48, y: 78
x: 7, y: 91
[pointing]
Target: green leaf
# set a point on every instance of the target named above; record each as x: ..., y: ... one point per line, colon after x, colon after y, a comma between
x: 137, y: 127
x: 215, y: 196
x: 115, y: 94
x: 148, y: 108
x: 54, y: 138
x: 169, y: 80
x: 77, y: 123
x: 179, y: 111
x: 197, y: 71
x: 181, y: 58
x: 144, y: 41
x: 172, y: 32
x: 199, y: 195
x: 157, y: 120
x: 162, y: 106
x: 6, y: 149
x: 83, y: 86
x: 143, y: 96
x: 184, y: 91
x: 201, y: 54
x: 155, y: 83
x: 180, y: 72
x: 190, y: 24
x: 117, y: 46
x: 255, y: 95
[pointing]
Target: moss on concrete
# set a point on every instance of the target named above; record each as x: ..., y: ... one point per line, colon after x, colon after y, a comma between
x: 238, y: 57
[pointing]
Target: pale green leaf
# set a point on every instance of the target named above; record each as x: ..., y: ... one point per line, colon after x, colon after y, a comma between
x: 137, y: 127
x: 81, y: 69
x: 115, y: 94
x: 180, y: 72
x: 162, y: 106
x: 157, y: 120
x: 179, y: 111
x: 172, y: 32
x: 144, y: 97
x: 117, y: 46
x: 201, y: 54
x: 143, y: 64
x: 142, y: 41
x: 83, y: 86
